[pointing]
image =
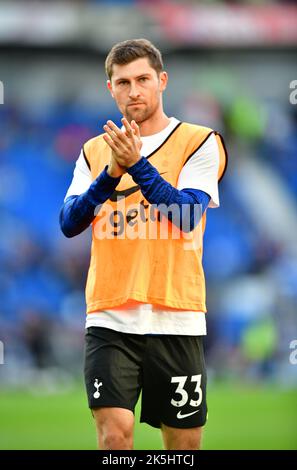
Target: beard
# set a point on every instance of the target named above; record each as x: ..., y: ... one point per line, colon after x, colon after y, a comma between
x: 140, y: 114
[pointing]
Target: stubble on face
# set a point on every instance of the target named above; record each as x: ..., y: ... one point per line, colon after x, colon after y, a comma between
x: 140, y: 113
x: 147, y: 100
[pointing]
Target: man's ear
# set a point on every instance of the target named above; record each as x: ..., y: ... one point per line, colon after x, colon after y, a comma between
x: 163, y: 80
x: 109, y: 86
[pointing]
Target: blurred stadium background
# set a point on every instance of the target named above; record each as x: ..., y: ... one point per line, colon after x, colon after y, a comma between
x: 230, y: 64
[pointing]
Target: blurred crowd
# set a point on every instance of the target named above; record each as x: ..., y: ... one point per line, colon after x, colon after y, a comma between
x: 189, y: 2
x: 250, y: 260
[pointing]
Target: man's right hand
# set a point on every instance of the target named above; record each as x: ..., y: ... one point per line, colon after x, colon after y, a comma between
x: 114, y: 169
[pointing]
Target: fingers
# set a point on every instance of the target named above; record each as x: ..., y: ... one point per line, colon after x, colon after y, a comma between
x: 114, y: 132
x: 117, y: 135
x: 129, y: 130
x: 135, y: 127
x: 110, y: 142
x: 123, y: 144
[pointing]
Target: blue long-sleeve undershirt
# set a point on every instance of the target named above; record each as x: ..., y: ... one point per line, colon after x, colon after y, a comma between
x: 191, y: 203
x: 78, y: 212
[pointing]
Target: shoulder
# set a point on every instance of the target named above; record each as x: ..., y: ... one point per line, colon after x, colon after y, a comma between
x: 206, y: 154
x: 194, y: 136
x: 196, y: 128
x: 207, y: 142
x: 209, y: 139
x: 196, y: 132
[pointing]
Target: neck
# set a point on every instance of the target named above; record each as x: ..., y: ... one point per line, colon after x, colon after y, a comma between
x: 154, y: 125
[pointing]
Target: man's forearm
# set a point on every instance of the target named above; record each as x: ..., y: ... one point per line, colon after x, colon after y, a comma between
x: 158, y: 191
x: 78, y: 212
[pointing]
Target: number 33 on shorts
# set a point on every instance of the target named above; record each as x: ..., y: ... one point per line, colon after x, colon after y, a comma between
x: 184, y: 396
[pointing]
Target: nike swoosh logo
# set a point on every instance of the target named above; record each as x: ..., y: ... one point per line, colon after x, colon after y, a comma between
x: 180, y: 416
x: 127, y: 192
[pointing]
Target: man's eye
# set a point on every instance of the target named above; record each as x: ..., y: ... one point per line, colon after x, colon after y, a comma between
x: 123, y: 82
x: 143, y: 79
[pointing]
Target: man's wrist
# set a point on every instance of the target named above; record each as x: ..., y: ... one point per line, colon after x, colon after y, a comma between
x: 113, y: 172
x: 101, y: 188
x: 133, y: 169
x: 106, y: 180
x: 134, y: 162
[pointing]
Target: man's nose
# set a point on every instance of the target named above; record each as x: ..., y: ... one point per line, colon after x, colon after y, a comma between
x: 134, y: 92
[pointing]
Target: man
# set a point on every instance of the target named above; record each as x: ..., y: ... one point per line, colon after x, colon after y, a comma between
x: 145, y: 188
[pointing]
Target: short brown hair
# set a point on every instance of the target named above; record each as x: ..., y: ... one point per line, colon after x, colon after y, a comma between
x: 133, y: 49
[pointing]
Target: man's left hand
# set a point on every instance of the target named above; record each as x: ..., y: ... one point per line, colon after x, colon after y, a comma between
x: 126, y: 145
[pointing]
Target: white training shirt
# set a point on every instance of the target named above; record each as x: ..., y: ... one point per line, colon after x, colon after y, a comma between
x: 200, y: 172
